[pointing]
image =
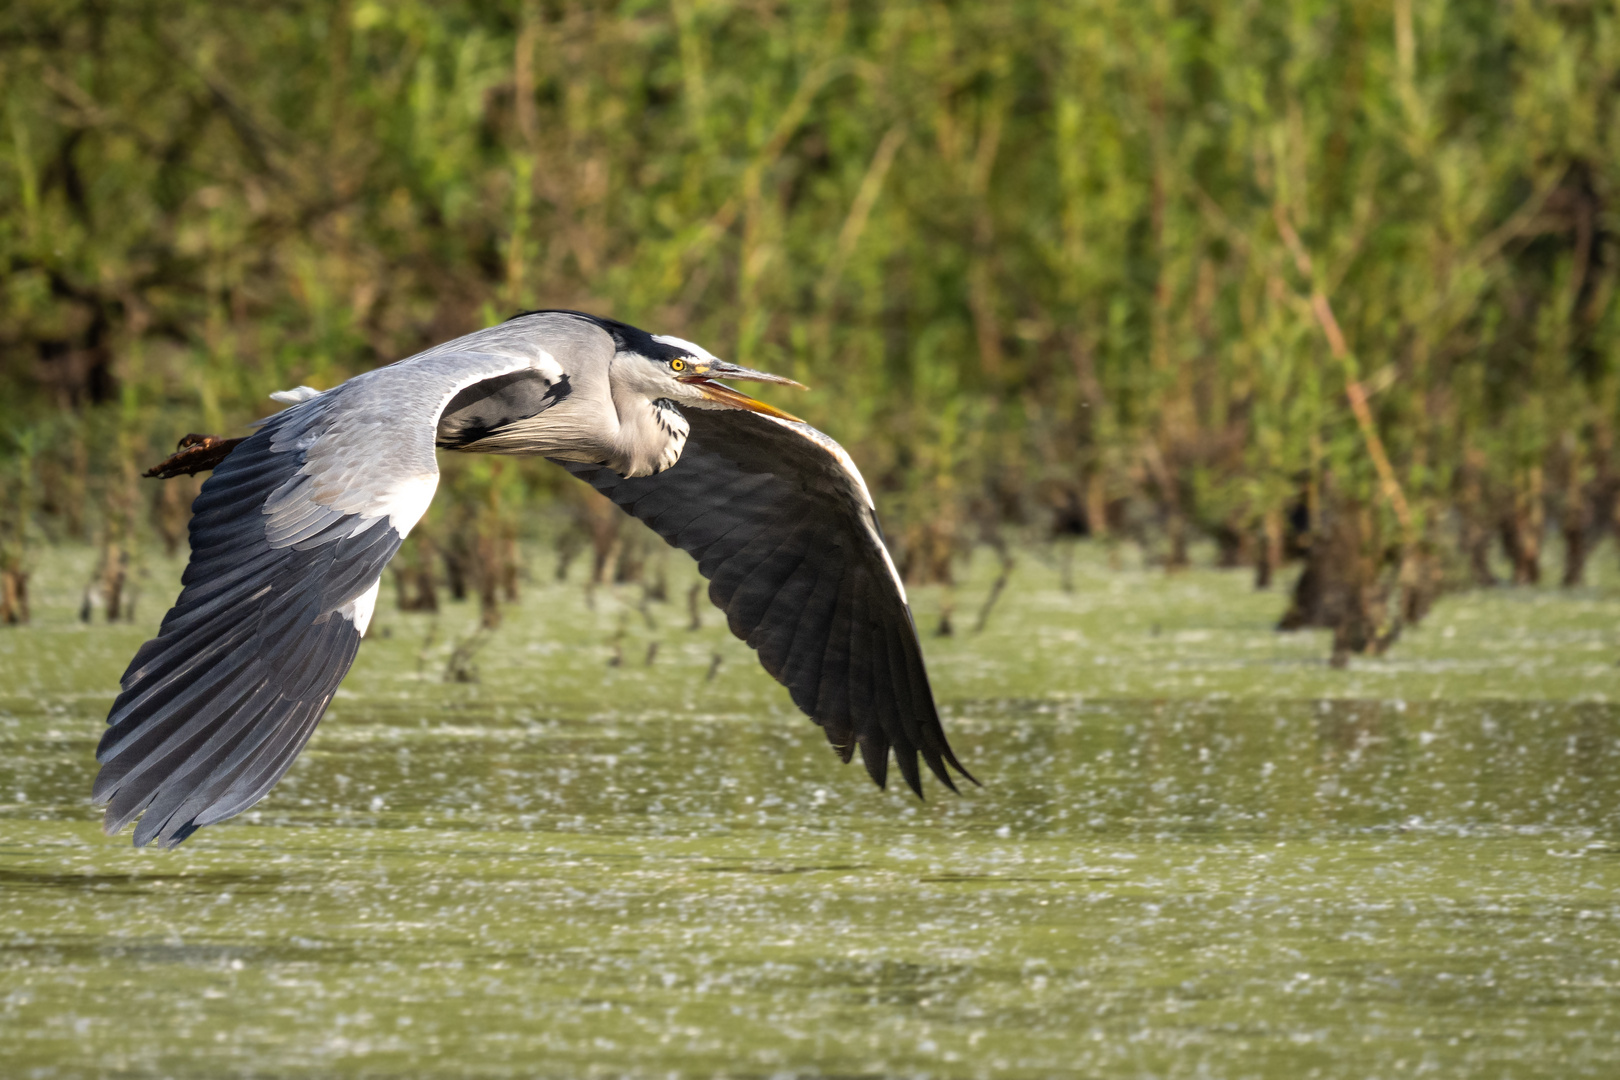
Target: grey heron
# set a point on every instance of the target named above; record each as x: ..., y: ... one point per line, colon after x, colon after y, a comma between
x: 290, y: 534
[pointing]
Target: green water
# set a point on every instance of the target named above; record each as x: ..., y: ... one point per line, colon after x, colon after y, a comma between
x: 1199, y: 852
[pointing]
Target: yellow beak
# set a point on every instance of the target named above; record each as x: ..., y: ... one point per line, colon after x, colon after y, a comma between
x: 703, y: 372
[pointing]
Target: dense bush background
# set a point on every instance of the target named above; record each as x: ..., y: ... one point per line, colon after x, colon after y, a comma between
x: 1128, y: 267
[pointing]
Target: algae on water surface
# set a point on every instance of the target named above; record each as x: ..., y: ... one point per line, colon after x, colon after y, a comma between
x: 1198, y: 851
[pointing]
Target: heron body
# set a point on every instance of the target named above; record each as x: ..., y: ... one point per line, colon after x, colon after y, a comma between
x: 290, y: 535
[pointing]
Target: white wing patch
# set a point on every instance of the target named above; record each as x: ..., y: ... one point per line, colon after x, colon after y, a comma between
x: 546, y: 365
x: 360, y: 609
x: 296, y: 395
x: 409, y: 501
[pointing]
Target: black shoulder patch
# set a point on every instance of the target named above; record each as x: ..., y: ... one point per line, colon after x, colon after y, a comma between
x: 485, y: 407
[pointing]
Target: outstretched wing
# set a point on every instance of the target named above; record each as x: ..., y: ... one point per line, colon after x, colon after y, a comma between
x: 289, y: 538
x: 215, y: 708
x: 781, y: 524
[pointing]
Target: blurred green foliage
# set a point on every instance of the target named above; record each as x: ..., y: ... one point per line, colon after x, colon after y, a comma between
x: 1034, y: 257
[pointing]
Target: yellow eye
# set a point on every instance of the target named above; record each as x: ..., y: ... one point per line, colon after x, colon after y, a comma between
x: 677, y: 364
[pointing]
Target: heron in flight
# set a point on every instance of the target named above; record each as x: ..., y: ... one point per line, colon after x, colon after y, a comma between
x: 290, y: 534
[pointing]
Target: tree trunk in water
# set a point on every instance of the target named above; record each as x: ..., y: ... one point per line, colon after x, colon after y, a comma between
x: 13, y: 596
x: 108, y: 585
x: 1472, y: 508
x: 1343, y: 587
x: 928, y: 554
x: 171, y: 512
x: 1522, y: 529
x: 1575, y: 528
x: 600, y: 520
x: 415, y: 586
x: 1234, y: 546
x: 1097, y: 505
x: 1575, y: 515
x: 1272, y: 548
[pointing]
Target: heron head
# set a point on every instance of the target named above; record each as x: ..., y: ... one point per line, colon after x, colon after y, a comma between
x: 689, y: 373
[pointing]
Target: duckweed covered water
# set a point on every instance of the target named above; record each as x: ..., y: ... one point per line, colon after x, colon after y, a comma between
x: 1199, y: 851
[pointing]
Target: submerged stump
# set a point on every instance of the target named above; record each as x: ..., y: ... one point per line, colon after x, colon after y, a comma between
x: 1361, y: 588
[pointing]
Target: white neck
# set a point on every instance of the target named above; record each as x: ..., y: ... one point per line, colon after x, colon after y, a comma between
x: 650, y: 436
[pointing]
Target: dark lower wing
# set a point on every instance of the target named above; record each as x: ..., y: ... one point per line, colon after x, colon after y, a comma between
x: 216, y: 707
x: 781, y: 528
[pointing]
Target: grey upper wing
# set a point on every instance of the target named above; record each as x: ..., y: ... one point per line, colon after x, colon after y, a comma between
x: 216, y: 707
x: 289, y: 538
x: 781, y: 525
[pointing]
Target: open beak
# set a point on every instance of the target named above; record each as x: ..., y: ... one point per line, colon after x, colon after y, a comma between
x: 704, y: 371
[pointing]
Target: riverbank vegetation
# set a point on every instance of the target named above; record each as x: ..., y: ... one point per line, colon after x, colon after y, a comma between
x: 1330, y: 284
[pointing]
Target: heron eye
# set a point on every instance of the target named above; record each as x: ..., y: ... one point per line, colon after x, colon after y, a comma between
x: 677, y: 364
